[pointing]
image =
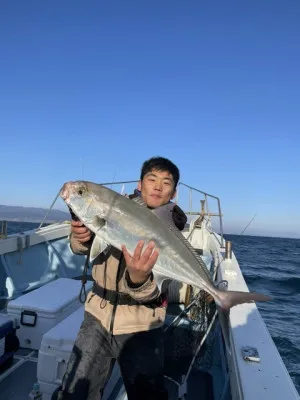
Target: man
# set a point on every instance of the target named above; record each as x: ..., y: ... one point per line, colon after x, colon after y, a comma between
x: 125, y: 312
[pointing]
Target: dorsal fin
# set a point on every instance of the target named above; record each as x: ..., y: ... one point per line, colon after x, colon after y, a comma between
x: 165, y: 213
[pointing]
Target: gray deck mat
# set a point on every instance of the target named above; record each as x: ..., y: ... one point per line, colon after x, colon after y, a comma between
x: 19, y: 383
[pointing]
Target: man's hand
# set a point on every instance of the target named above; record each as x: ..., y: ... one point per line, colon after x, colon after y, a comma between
x: 80, y: 232
x: 140, y: 265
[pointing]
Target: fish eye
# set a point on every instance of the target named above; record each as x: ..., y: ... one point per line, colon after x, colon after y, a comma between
x: 80, y: 192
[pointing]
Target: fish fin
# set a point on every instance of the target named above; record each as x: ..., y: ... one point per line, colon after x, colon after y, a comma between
x: 98, y: 246
x: 165, y: 213
x: 139, y: 201
x: 228, y: 299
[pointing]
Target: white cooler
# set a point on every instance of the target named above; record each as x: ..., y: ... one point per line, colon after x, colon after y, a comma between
x: 54, y: 354
x: 38, y: 311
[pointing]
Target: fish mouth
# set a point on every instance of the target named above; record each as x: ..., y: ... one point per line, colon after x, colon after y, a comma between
x: 65, y: 191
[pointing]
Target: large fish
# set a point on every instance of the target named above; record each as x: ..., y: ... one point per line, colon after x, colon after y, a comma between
x: 117, y: 220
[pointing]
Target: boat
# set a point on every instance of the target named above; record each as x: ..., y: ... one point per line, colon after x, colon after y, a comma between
x: 209, y: 354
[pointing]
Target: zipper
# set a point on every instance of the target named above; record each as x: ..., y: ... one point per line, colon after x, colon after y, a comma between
x: 117, y: 291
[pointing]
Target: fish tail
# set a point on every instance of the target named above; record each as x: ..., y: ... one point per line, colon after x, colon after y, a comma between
x: 228, y: 299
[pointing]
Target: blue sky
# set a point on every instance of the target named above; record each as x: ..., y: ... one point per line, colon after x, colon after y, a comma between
x: 101, y: 86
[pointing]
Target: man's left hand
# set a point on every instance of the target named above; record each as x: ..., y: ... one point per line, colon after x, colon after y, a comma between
x: 140, y: 264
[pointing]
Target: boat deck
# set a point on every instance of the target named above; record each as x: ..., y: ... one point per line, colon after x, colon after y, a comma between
x: 18, y: 379
x: 16, y: 383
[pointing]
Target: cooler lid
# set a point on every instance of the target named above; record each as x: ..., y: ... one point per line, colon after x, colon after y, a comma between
x: 50, y: 298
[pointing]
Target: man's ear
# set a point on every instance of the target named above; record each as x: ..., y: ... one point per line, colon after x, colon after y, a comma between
x: 139, y: 185
x: 174, y: 194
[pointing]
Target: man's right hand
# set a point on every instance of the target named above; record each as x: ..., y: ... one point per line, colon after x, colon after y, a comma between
x: 80, y: 232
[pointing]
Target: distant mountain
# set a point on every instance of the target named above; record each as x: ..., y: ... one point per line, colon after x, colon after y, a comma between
x: 31, y: 214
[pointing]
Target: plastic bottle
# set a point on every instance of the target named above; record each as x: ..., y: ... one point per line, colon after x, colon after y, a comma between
x: 35, y: 393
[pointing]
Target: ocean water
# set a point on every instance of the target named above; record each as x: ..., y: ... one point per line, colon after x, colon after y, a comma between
x: 270, y: 266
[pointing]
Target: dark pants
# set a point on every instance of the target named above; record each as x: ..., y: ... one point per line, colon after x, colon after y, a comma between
x: 140, y: 356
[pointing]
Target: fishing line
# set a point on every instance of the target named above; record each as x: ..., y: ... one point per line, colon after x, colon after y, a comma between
x: 56, y: 197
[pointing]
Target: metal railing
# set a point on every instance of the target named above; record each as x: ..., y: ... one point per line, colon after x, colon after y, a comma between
x: 206, y: 195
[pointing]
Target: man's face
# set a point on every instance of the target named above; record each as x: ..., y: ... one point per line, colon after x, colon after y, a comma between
x: 157, y: 188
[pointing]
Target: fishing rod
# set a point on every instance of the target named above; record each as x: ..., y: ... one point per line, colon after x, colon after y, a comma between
x: 247, y: 225
x: 228, y: 249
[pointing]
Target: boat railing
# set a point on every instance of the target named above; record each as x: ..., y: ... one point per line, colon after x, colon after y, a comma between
x: 195, y: 193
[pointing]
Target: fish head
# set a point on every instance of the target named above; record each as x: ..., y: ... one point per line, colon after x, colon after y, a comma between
x: 87, y: 200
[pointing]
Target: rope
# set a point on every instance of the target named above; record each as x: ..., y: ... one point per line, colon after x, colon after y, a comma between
x: 82, y: 295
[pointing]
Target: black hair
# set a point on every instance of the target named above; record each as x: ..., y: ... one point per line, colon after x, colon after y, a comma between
x: 160, y: 164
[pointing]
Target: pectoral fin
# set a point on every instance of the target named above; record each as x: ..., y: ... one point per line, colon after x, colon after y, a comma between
x: 98, y: 246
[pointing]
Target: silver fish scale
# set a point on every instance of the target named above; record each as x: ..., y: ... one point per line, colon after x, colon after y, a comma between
x: 128, y: 230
